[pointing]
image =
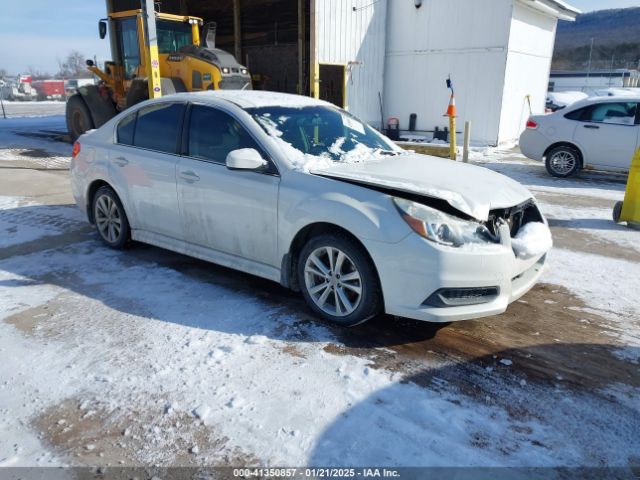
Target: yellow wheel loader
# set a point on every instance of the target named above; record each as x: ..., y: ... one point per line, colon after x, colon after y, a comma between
x: 184, y: 62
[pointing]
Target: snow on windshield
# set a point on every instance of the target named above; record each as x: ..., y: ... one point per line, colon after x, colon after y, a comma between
x: 317, y: 136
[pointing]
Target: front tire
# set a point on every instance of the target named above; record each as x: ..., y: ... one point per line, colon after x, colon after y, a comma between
x: 110, y: 218
x: 617, y: 212
x: 563, y: 161
x: 338, y: 280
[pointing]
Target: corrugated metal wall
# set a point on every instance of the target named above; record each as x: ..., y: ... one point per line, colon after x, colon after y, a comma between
x: 531, y: 42
x: 465, y: 38
x: 356, y: 39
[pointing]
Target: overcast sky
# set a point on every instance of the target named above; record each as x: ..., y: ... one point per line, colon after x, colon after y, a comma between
x: 38, y: 33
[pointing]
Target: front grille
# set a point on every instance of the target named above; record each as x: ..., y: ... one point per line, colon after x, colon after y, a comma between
x: 235, y: 82
x: 456, y: 297
x: 515, y: 217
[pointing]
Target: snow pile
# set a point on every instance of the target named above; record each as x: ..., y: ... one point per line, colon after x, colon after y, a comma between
x: 533, y: 239
x: 565, y: 98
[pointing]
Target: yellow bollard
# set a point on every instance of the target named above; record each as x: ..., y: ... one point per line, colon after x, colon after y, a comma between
x: 452, y: 138
x: 629, y: 210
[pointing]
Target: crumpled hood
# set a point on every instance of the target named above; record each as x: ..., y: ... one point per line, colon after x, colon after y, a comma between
x: 470, y: 189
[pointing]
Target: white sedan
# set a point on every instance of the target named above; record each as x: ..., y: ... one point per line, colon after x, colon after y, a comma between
x: 300, y: 192
x: 598, y: 132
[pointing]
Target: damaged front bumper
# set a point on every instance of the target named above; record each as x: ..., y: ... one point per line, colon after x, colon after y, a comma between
x: 425, y: 281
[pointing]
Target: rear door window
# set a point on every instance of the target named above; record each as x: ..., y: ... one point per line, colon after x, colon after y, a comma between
x: 213, y: 134
x: 158, y: 127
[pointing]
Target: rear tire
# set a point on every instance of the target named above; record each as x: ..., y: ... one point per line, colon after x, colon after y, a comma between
x: 110, y: 218
x: 338, y: 280
x: 563, y: 161
x: 78, y: 116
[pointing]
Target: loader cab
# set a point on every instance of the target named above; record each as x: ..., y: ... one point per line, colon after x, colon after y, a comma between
x: 173, y: 33
x: 184, y: 63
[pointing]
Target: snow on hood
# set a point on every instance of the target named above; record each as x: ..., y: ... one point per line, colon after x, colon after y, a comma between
x: 470, y: 189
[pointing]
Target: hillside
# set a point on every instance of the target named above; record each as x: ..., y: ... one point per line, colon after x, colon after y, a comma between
x: 616, y: 37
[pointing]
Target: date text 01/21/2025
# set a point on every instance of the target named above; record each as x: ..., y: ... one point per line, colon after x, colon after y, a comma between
x: 315, y: 473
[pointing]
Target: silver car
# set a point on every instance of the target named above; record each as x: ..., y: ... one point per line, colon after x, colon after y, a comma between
x: 300, y: 192
x: 600, y: 132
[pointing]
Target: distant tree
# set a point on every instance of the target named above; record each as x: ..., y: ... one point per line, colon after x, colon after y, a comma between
x: 3, y: 73
x: 74, y: 66
x: 37, y: 74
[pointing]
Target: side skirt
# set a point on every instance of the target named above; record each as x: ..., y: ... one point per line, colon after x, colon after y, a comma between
x: 207, y: 254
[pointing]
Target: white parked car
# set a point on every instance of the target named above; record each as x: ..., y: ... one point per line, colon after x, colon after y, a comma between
x: 300, y: 192
x: 598, y: 132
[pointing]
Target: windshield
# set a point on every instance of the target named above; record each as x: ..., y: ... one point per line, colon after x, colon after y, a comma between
x: 324, y: 132
x: 173, y: 35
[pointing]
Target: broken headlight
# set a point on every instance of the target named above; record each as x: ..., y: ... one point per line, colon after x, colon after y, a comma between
x: 440, y: 227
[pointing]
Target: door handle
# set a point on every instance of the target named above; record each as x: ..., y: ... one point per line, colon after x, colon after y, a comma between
x: 120, y: 161
x: 189, y: 176
x: 593, y: 127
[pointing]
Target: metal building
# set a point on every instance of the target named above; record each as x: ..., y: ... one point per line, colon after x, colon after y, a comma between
x: 390, y: 58
x: 498, y: 53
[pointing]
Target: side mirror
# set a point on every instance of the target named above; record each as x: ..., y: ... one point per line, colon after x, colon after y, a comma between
x: 102, y: 28
x: 245, y: 159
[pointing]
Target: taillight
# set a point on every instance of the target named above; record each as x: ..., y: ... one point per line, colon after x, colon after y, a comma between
x: 76, y: 149
x: 531, y: 124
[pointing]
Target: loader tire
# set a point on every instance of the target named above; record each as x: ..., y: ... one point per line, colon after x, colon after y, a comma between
x: 78, y: 117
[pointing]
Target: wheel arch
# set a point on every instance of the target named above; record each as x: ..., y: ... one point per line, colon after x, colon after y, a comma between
x: 565, y: 144
x: 288, y: 276
x: 93, y: 187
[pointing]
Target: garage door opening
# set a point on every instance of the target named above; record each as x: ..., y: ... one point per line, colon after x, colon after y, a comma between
x: 269, y: 37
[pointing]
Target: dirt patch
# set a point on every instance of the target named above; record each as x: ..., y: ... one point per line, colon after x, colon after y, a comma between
x: 32, y: 319
x: 293, y: 351
x: 572, y: 200
x: 550, y: 333
x: 89, y: 433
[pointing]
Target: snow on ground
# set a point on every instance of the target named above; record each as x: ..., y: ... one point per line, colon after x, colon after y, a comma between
x: 195, y: 349
x: 172, y: 363
x: 29, y: 139
x: 22, y: 220
x: 32, y: 109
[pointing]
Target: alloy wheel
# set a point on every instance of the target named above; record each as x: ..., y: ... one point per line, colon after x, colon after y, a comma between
x: 108, y: 218
x: 563, y: 162
x: 333, y: 281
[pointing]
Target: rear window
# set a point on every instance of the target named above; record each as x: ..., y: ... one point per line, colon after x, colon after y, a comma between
x: 158, y: 127
x: 125, y: 130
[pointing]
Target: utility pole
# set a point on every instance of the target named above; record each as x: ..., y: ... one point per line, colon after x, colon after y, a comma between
x: 590, y: 57
x: 611, y: 69
x: 4, y: 114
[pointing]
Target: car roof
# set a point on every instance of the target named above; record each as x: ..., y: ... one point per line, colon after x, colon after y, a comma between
x: 251, y: 98
x: 592, y: 100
